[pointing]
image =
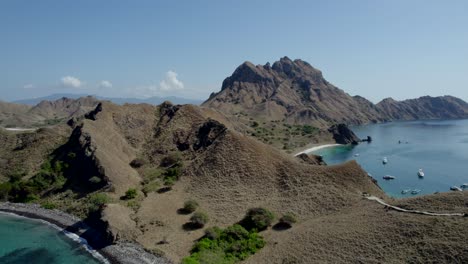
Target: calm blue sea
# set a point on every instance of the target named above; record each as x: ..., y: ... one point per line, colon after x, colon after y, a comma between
x: 24, y: 241
x: 440, y: 148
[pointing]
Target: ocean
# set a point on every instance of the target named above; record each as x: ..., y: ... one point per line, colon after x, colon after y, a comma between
x: 440, y: 148
x: 24, y: 240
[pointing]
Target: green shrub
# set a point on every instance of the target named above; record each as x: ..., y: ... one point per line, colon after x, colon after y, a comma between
x: 190, y: 206
x: 257, y: 218
x: 227, y: 246
x: 287, y: 220
x: 199, y: 219
x: 97, y: 200
x: 5, y: 189
x: 150, y: 187
x: 48, y: 205
x: 306, y: 129
x: 130, y: 194
x: 169, y: 181
x: 213, y: 233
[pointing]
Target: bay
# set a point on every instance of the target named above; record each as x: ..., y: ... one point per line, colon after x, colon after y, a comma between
x: 440, y: 148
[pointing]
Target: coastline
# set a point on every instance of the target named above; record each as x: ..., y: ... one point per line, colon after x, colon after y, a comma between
x: 315, y: 148
x: 120, y: 252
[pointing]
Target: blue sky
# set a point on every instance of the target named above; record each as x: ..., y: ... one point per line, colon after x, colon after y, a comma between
x: 377, y: 49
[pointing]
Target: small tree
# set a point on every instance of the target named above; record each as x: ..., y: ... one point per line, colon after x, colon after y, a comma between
x: 257, y: 218
x: 199, y: 219
x: 130, y: 194
x: 190, y: 206
x: 287, y: 220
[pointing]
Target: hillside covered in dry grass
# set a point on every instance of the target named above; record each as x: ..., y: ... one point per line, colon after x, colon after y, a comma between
x: 128, y: 170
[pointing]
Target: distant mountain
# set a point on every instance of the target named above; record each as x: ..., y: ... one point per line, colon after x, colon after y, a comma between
x: 296, y: 92
x: 426, y: 107
x: 117, y: 100
x: 45, y: 112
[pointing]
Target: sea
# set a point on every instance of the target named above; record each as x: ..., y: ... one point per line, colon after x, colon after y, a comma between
x: 439, y: 148
x: 24, y: 240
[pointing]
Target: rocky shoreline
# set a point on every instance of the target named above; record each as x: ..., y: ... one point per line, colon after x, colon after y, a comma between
x: 120, y: 252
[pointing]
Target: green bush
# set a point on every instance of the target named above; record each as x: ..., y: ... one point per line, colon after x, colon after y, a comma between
x: 231, y: 245
x: 287, y: 220
x: 150, y: 187
x: 48, y: 205
x: 5, y: 189
x: 306, y: 129
x: 257, y: 218
x: 199, y: 219
x: 190, y: 206
x: 213, y: 233
x: 130, y: 194
x: 97, y: 200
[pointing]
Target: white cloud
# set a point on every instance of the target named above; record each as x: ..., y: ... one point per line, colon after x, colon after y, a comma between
x: 171, y: 82
x: 70, y: 81
x: 28, y: 86
x: 105, y: 84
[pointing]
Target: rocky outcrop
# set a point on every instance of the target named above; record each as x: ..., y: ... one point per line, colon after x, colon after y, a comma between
x: 311, y: 159
x: 343, y: 135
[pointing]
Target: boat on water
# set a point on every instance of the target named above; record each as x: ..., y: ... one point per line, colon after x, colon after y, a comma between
x: 388, y: 177
x: 421, y: 173
x: 456, y: 188
x: 405, y: 191
x: 415, y: 191
x: 464, y: 186
x: 356, y: 155
x: 385, y: 160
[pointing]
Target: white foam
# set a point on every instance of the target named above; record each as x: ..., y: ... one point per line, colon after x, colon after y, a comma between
x: 19, y: 129
x: 309, y: 150
x: 83, y: 242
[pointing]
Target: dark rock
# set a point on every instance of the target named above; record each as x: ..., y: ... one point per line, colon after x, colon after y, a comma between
x: 343, y: 135
x: 312, y: 159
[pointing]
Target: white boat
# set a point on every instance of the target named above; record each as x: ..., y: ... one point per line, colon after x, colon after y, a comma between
x: 421, y: 173
x: 356, y: 155
x: 456, y: 188
x: 388, y: 177
x: 464, y: 186
x: 405, y: 191
x: 385, y: 160
x: 415, y: 191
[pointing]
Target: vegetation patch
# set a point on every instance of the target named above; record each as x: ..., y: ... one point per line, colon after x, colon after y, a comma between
x: 130, y: 194
x: 189, y: 207
x: 257, y: 219
x: 96, y: 201
x: 198, y: 220
x: 231, y: 245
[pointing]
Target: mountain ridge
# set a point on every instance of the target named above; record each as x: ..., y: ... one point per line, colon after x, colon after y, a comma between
x: 296, y: 92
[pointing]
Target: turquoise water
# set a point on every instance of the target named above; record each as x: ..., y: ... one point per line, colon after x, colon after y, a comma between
x: 440, y: 148
x: 24, y: 240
